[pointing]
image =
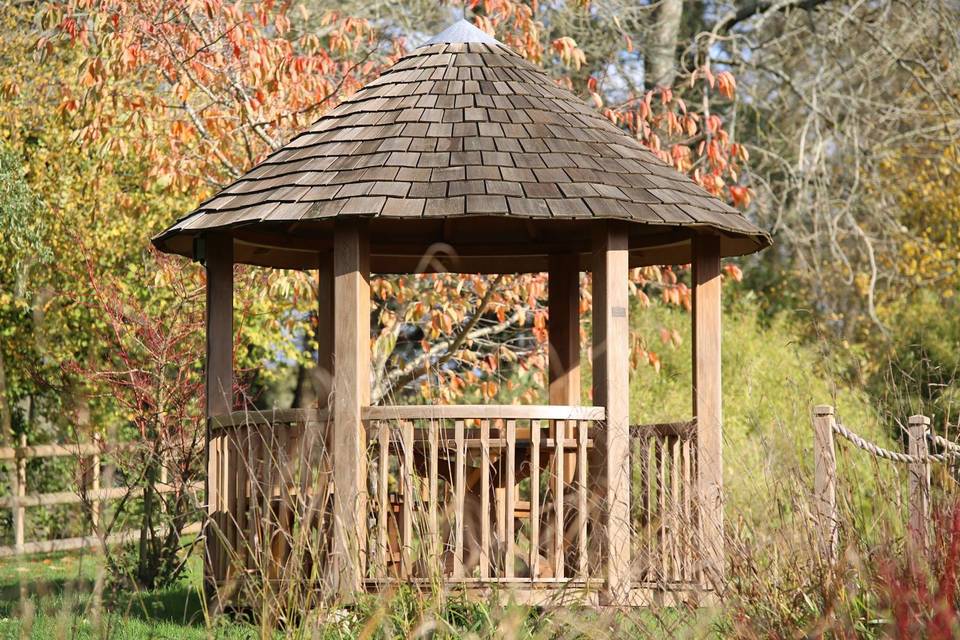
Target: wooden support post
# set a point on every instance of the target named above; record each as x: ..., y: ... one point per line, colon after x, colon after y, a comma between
x: 919, y: 479
x: 707, y: 404
x: 351, y: 389
x: 611, y: 390
x: 219, y: 396
x: 323, y: 372
x: 825, y: 482
x: 564, y: 341
x: 19, y: 491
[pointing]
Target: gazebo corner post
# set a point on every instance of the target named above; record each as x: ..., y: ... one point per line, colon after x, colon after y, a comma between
x: 708, y: 404
x: 611, y: 390
x: 218, y: 261
x: 351, y: 393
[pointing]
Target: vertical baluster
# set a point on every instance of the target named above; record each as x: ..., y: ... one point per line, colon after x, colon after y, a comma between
x: 434, y: 478
x: 560, y: 431
x: 534, y: 499
x: 266, y: 488
x: 484, y: 498
x: 511, y: 489
x: 663, y: 459
x: 383, y: 496
x: 229, y: 502
x: 242, y: 435
x: 582, y: 497
x: 279, y: 491
x: 675, y: 527
x: 688, y: 526
x: 459, y: 489
x: 650, y: 466
x: 409, y: 496
x: 254, y: 486
x: 305, y: 496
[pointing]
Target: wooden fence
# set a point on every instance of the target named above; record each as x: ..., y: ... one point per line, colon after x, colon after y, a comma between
x: 20, y: 499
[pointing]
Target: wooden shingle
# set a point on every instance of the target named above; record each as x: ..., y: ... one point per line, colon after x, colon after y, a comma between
x: 463, y: 129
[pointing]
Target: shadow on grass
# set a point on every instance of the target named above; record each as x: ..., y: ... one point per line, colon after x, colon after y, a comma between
x: 178, y: 604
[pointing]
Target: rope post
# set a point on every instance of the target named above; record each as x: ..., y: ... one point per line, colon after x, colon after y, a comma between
x: 825, y: 482
x: 919, y: 480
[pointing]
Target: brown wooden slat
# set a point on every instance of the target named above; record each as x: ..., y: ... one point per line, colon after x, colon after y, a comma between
x: 559, y: 428
x: 433, y: 498
x: 535, y: 499
x: 383, y: 499
x: 459, y: 491
x: 582, y: 497
x: 409, y: 497
x: 484, y: 499
x: 511, y: 488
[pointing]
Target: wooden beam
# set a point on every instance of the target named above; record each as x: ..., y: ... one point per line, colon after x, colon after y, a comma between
x: 351, y: 389
x: 219, y: 398
x: 611, y: 389
x: 323, y: 372
x: 707, y: 403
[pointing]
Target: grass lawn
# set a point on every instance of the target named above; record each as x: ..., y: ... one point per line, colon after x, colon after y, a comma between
x: 50, y: 597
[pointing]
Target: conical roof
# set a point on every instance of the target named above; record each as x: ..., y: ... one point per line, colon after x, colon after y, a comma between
x: 462, y: 127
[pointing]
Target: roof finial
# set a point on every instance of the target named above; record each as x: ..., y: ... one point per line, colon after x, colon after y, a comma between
x: 461, y: 31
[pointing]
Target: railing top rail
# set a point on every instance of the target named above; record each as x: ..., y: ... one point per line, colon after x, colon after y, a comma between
x: 51, y: 451
x: 416, y: 412
x: 483, y: 411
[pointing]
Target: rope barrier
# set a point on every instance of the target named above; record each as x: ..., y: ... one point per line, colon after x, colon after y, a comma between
x: 896, y: 456
x: 946, y: 444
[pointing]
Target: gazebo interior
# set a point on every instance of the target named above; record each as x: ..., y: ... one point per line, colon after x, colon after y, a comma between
x: 463, y: 157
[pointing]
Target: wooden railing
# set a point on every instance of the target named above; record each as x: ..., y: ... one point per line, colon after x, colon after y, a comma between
x: 20, y: 499
x: 475, y: 496
x: 663, y: 466
x: 271, y: 495
x: 479, y: 494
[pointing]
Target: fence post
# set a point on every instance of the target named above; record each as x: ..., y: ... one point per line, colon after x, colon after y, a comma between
x: 919, y: 481
x: 95, y: 486
x: 825, y: 481
x: 19, y: 511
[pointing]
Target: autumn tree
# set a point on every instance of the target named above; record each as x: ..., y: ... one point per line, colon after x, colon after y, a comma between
x: 231, y: 83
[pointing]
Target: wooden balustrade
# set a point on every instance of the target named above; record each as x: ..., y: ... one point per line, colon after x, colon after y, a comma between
x: 457, y: 495
x: 272, y: 495
x: 663, y: 461
x: 477, y: 494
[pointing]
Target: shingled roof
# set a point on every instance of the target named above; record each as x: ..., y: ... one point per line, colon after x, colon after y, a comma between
x: 463, y: 127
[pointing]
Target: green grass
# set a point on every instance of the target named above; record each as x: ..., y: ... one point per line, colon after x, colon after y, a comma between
x: 50, y: 597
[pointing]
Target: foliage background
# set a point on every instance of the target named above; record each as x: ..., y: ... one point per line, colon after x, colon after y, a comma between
x: 831, y: 122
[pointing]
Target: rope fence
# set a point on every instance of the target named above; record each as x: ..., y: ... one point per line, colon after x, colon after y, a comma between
x: 918, y: 457
x: 896, y: 456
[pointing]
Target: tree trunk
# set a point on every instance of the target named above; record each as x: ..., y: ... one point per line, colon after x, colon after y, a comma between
x: 660, y: 59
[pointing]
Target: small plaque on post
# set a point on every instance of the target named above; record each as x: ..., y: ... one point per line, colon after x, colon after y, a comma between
x: 619, y: 312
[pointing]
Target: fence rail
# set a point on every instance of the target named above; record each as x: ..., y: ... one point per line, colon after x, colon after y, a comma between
x: 19, y: 499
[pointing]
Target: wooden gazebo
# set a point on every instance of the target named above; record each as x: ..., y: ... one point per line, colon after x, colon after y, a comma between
x: 462, y: 145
